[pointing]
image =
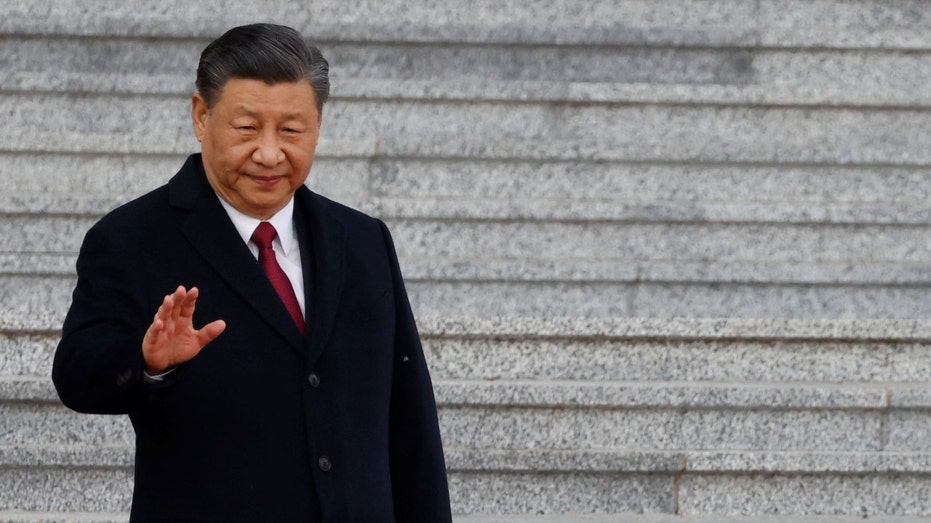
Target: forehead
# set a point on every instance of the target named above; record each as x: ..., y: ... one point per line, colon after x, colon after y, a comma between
x: 255, y: 97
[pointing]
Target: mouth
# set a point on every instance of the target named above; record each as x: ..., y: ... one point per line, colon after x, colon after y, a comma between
x: 265, y: 180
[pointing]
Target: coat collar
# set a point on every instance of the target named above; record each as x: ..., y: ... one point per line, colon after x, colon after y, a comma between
x: 322, y: 240
x: 323, y: 248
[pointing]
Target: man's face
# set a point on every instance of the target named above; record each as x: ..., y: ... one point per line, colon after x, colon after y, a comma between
x: 258, y: 142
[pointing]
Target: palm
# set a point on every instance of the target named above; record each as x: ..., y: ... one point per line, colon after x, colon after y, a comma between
x: 172, y: 339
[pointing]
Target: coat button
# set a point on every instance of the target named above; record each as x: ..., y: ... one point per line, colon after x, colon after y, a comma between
x: 314, y: 380
x: 325, y: 464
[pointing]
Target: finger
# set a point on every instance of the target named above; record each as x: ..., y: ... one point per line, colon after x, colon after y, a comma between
x: 164, y: 310
x: 153, y: 332
x: 178, y: 298
x: 186, y: 308
x: 155, y: 328
x: 210, y: 332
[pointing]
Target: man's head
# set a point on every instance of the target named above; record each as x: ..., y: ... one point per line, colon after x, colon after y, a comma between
x: 257, y: 114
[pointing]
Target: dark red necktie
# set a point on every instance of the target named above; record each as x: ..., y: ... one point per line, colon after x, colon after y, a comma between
x: 263, y: 237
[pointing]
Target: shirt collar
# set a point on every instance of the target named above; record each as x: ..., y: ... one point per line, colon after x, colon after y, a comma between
x: 282, y: 221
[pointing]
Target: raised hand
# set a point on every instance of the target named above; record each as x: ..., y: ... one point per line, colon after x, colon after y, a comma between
x: 172, y: 339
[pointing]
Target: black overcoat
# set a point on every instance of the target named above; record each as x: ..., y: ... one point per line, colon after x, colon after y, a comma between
x: 264, y: 424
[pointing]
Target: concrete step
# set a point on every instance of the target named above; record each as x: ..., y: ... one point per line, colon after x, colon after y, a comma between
x: 31, y: 141
x: 22, y: 516
x: 91, y: 184
x: 546, y: 415
x: 85, y: 517
x: 586, y: 461
x: 36, y: 301
x: 854, y: 352
x: 590, y: 73
x: 442, y: 250
x: 487, y: 477
x: 826, y: 23
x: 673, y: 518
x: 166, y: 65
x: 856, y: 386
x: 473, y: 189
x: 646, y: 132
x: 622, y: 191
x: 654, y: 484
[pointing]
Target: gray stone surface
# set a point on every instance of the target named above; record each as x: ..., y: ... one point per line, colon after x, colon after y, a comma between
x: 22, y: 516
x: 657, y: 78
x: 728, y: 329
x: 549, y: 69
x: 41, y: 302
x: 59, y: 489
x: 908, y: 430
x: 650, y: 192
x: 700, y: 360
x: 830, y: 23
x: 863, y: 495
x: 138, y: 18
x: 858, y: 73
x: 554, y: 416
x: 508, y: 190
x: 37, y: 264
x: 666, y: 300
x: 51, y: 234
x: 610, y: 252
x: 682, y: 22
x: 675, y: 518
x: 622, y: 351
x: 145, y: 65
x: 894, y: 143
x: 664, y: 252
x: 588, y: 461
x: 831, y: 462
x: 560, y: 428
x: 111, y: 456
x: 667, y: 270
x: 34, y: 302
x: 27, y: 354
x: 592, y: 394
x: 690, y: 133
x: 92, y: 184
x: 549, y: 493
x: 76, y: 517
x: 559, y: 21
x: 28, y: 392
x: 55, y: 425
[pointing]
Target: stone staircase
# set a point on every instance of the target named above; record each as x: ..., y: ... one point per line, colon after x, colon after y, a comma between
x: 669, y: 259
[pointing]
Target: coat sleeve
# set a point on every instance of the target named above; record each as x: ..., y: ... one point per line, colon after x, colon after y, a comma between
x: 418, y: 469
x: 98, y: 363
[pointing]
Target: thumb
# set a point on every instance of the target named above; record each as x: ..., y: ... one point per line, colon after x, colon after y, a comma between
x: 210, y: 332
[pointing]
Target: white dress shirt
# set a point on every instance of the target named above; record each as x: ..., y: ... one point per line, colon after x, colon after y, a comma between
x: 287, y: 250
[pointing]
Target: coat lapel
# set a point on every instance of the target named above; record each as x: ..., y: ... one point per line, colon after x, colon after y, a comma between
x: 213, y: 236
x: 323, y: 252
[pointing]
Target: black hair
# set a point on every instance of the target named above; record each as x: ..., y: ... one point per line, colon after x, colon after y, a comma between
x: 268, y: 52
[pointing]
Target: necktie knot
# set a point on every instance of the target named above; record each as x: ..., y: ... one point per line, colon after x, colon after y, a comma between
x: 264, y: 235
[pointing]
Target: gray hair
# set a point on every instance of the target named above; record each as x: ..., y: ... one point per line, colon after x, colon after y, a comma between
x: 267, y: 52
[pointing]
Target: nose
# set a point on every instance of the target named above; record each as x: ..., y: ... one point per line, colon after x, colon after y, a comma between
x: 268, y: 151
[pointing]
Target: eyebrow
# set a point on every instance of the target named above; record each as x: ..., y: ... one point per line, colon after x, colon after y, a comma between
x: 253, y: 114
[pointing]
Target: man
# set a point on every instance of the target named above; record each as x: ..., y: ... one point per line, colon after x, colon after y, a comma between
x: 304, y: 395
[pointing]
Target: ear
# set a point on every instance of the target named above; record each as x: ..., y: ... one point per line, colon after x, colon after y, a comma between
x: 199, y: 112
